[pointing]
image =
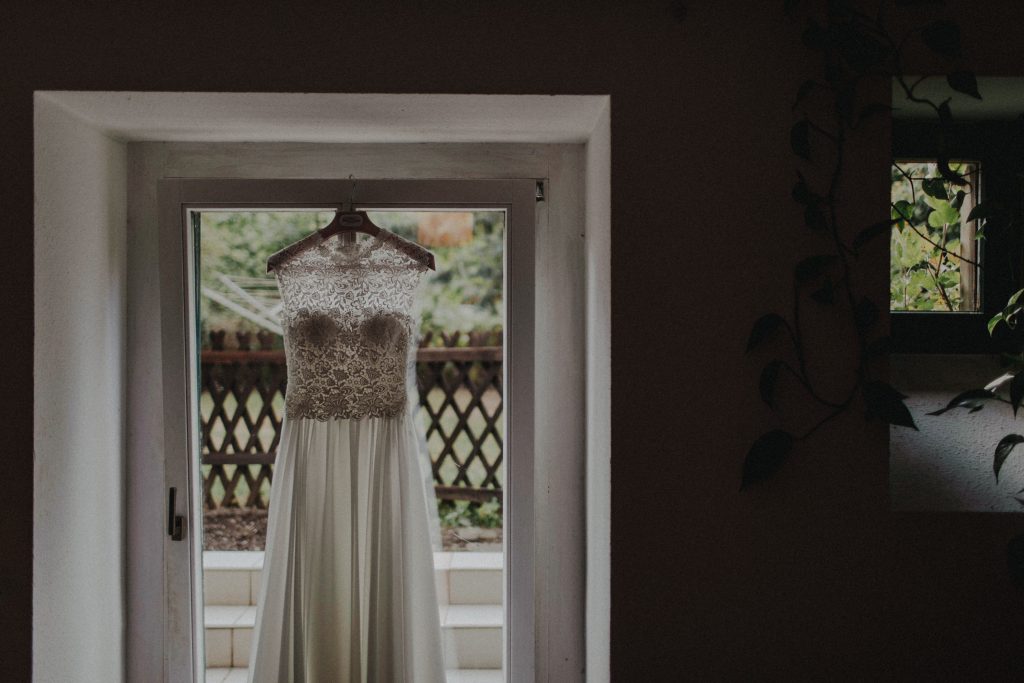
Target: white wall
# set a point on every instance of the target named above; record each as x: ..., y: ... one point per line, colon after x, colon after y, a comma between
x: 78, y: 553
x: 947, y: 465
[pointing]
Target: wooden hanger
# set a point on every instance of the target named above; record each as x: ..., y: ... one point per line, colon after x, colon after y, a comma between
x: 346, y: 223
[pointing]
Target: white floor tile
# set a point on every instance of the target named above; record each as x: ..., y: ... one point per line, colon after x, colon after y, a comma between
x: 477, y: 561
x: 232, y: 559
x: 473, y: 648
x: 237, y: 676
x: 223, y: 616
x: 247, y: 619
x: 473, y: 616
x: 254, y: 586
x: 226, y: 587
x: 218, y: 647
x: 247, y: 560
x: 240, y: 640
x: 216, y: 674
x: 475, y: 587
x: 475, y: 676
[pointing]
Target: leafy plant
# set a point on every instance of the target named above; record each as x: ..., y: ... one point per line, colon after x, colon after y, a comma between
x: 928, y: 261
x: 1008, y: 388
x: 855, y: 48
x: 463, y: 513
x: 464, y: 293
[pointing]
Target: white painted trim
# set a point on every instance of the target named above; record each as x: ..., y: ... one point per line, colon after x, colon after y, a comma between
x: 178, y: 198
x: 334, y: 117
x: 599, y: 396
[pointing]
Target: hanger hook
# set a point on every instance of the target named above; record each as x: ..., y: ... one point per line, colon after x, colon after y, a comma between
x: 352, y: 191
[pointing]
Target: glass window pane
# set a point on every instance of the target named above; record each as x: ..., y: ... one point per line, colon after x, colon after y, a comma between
x: 933, y: 248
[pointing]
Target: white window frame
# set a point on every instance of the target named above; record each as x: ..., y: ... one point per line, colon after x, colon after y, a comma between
x: 178, y: 197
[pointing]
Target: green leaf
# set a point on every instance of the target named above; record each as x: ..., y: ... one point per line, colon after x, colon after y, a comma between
x: 942, y: 37
x: 769, y: 377
x: 934, y: 187
x: 886, y: 403
x: 944, y: 214
x: 950, y: 176
x: 971, y: 399
x: 983, y: 211
x: 965, y: 82
x: 766, y: 456
x: 947, y: 214
x: 872, y: 231
x: 764, y: 327
x: 812, y: 266
x: 945, y: 118
x: 800, y: 139
x: 921, y: 212
x: 1003, y: 450
x: 1016, y: 391
x: 861, y: 48
x: 1009, y: 314
x: 958, y: 199
x: 903, y: 209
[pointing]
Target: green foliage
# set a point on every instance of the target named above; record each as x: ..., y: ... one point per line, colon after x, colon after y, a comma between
x: 464, y: 293
x: 926, y: 251
x: 1010, y: 385
x: 238, y: 243
x: 855, y: 46
x: 463, y: 513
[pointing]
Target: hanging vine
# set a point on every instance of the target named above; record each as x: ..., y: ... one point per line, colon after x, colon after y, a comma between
x: 856, y: 49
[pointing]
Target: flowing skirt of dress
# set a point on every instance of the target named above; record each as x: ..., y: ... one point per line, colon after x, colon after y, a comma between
x: 347, y: 592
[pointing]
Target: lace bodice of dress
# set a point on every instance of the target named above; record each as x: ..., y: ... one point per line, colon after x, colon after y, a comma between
x: 350, y: 315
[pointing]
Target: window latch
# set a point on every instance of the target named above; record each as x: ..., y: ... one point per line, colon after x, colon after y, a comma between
x: 175, y: 523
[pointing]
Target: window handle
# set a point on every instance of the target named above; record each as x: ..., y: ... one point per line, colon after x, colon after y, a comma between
x: 175, y: 523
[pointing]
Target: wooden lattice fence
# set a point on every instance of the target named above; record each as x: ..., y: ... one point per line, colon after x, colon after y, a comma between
x: 242, y: 404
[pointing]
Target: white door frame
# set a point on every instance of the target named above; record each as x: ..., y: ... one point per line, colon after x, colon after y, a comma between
x: 178, y: 197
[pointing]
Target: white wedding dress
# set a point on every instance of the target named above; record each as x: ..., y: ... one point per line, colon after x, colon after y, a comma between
x: 347, y: 591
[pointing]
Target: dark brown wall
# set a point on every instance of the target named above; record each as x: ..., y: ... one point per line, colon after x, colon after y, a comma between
x: 808, y: 577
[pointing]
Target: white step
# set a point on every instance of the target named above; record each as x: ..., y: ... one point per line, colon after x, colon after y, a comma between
x: 472, y: 578
x: 463, y: 578
x: 228, y: 633
x: 237, y: 675
x: 475, y: 676
x: 471, y: 633
x: 472, y: 636
x: 469, y: 587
